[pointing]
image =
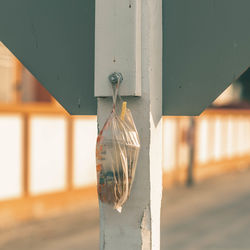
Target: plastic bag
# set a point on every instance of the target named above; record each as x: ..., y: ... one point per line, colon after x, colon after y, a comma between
x: 117, y: 151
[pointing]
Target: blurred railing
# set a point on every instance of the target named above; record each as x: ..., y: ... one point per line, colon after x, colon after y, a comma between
x: 44, y: 151
x: 221, y: 143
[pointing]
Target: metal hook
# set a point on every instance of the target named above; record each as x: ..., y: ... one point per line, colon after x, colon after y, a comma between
x: 115, y: 78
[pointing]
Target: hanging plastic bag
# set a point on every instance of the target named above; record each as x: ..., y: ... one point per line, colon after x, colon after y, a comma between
x: 117, y: 151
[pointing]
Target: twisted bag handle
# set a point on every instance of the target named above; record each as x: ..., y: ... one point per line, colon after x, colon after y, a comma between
x: 115, y: 88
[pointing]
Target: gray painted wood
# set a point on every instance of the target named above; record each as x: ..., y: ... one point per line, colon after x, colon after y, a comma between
x: 206, y: 46
x: 55, y: 41
x: 138, y: 226
x: 118, y: 46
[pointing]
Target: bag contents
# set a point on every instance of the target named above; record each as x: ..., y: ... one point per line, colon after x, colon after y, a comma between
x: 117, y: 152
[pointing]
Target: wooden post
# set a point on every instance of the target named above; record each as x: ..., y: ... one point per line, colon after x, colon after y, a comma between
x: 138, y: 226
x: 191, y: 145
x: 70, y: 150
x: 26, y: 155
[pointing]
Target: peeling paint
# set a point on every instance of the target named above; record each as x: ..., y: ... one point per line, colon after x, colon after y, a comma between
x: 146, y: 229
x: 138, y: 226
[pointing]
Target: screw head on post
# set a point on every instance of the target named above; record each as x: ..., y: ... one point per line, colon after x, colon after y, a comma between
x: 116, y: 77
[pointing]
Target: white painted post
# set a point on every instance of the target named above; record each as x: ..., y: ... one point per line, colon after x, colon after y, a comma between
x: 138, y: 226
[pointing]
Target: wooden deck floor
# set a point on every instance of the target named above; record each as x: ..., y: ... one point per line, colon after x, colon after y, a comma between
x: 213, y: 215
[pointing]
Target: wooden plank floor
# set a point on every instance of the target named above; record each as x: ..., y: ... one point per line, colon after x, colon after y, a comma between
x: 213, y: 215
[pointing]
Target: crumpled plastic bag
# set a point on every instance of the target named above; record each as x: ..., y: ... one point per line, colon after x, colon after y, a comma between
x: 117, y: 151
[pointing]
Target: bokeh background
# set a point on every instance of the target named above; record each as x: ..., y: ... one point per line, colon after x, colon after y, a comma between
x: 47, y: 170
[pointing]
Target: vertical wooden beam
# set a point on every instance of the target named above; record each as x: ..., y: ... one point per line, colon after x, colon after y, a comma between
x: 138, y: 226
x: 26, y: 155
x: 177, y: 151
x: 191, y: 144
x: 118, y: 27
x: 70, y: 150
